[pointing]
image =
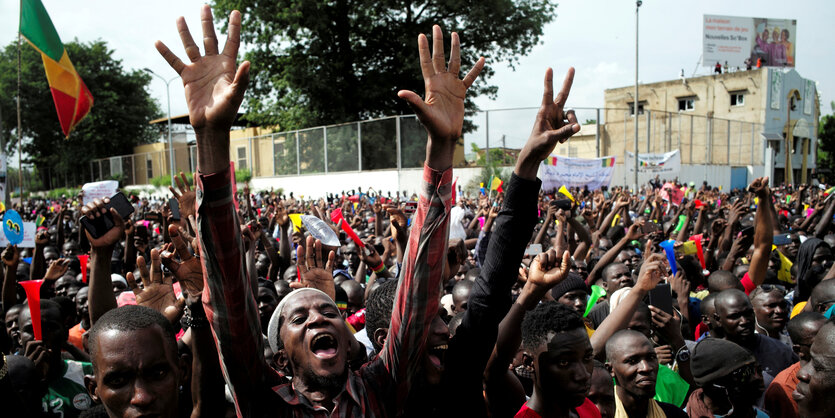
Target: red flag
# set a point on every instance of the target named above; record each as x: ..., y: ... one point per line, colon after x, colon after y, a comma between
x: 33, y: 297
x: 83, y: 260
x: 454, y: 191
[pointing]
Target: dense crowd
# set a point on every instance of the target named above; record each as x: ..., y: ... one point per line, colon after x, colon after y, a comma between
x: 671, y: 300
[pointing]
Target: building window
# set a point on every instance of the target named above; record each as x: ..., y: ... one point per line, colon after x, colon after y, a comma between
x: 687, y: 104
x: 641, y: 105
x: 737, y: 98
x: 149, y: 168
x: 241, y: 163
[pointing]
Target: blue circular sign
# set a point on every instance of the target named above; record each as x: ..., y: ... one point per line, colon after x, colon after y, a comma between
x: 13, y: 227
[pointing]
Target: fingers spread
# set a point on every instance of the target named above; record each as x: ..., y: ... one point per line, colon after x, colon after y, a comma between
x: 209, y: 37
x: 548, y: 93
x: 192, y: 50
x: 562, y: 96
x: 143, y: 271
x: 170, y: 57
x: 455, y: 55
x: 474, y: 72
x: 233, y: 37
x: 438, y: 59
x: 426, y: 67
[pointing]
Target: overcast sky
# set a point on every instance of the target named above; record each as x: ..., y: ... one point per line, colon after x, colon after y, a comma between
x: 596, y: 37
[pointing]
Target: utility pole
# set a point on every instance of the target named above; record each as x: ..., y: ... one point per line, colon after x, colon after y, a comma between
x: 637, y: 101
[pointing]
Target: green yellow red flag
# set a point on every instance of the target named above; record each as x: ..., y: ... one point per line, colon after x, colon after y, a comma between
x: 71, y: 96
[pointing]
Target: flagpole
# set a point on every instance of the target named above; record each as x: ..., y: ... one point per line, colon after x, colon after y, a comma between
x: 19, y: 125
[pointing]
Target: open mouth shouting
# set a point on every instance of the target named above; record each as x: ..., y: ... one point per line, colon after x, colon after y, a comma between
x: 324, y: 346
x: 436, y: 355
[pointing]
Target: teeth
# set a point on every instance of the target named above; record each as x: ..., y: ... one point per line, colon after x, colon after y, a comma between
x: 440, y: 347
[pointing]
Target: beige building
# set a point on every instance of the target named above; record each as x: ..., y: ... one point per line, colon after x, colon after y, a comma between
x: 720, y: 119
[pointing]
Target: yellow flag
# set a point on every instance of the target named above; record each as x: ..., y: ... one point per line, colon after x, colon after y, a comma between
x: 688, y: 248
x: 784, y: 274
x: 495, y: 183
x: 296, y: 218
x: 566, y: 193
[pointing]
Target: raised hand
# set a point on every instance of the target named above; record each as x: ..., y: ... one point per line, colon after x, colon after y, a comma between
x: 214, y: 85
x: 184, y: 194
x: 552, y: 125
x: 157, y: 292
x: 188, y: 271
x: 11, y: 255
x: 372, y: 259
x: 96, y: 209
x: 57, y: 268
x: 547, y: 270
x: 652, y: 272
x: 315, y: 273
x: 42, y: 238
x: 760, y: 187
x: 442, y: 112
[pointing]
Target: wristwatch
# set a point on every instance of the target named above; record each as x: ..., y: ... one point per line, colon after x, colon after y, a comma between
x: 683, y: 355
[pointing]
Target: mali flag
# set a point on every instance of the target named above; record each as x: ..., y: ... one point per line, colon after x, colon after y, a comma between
x: 496, y: 184
x: 72, y: 98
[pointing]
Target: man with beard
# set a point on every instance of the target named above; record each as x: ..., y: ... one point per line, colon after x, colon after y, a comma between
x: 632, y: 362
x: 817, y: 377
x: 771, y: 311
x: 730, y: 380
x: 735, y: 315
x: 316, y: 340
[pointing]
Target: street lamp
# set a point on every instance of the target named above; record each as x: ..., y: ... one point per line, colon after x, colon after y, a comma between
x: 637, y: 102
x: 168, y: 95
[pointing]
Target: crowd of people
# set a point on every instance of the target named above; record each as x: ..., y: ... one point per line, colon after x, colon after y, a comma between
x: 527, y: 303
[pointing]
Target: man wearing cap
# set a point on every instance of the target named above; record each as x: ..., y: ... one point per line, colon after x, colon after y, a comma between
x: 316, y: 340
x: 730, y: 381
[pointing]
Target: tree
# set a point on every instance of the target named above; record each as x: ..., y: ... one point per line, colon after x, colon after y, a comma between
x: 117, y: 122
x: 318, y: 62
x: 826, y: 145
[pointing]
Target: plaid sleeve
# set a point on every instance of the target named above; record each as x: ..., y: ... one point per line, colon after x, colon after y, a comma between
x: 227, y: 293
x: 419, y: 290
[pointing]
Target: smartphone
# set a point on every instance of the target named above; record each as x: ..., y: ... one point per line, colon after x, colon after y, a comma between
x: 533, y: 250
x: 99, y: 226
x: 782, y: 239
x: 662, y: 298
x: 748, y: 236
x: 564, y: 204
x: 650, y: 228
x: 174, y: 204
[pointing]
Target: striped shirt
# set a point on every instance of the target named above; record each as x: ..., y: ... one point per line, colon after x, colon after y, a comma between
x: 380, y: 387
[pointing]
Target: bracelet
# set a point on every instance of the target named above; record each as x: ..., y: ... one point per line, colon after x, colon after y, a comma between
x: 194, y: 319
x: 379, y: 268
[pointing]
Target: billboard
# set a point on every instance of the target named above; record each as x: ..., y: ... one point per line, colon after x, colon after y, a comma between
x: 558, y: 171
x: 740, y: 40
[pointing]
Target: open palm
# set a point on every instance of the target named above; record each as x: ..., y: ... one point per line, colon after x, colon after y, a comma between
x: 442, y: 113
x: 213, y: 82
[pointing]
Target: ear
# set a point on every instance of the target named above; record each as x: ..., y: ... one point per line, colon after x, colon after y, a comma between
x: 281, y: 360
x: 380, y: 336
x: 185, y: 368
x: 91, y: 385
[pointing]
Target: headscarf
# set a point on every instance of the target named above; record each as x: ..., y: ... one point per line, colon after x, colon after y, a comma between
x: 805, y: 281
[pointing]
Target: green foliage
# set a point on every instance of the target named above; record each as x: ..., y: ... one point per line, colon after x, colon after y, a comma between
x: 317, y: 62
x: 62, y: 191
x: 826, y: 146
x: 161, y: 181
x: 243, y: 175
x: 116, y: 123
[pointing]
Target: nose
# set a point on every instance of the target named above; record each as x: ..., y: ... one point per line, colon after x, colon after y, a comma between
x: 142, y: 395
x: 645, y: 366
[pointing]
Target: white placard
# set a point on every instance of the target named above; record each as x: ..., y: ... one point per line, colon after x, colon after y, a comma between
x: 557, y: 171
x: 99, y: 190
x: 666, y: 166
x: 29, y: 231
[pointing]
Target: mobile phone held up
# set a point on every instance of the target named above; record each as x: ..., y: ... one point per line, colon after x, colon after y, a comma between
x: 99, y: 226
x: 662, y: 298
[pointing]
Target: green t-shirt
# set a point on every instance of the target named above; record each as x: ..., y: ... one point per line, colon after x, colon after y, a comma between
x: 67, y: 396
